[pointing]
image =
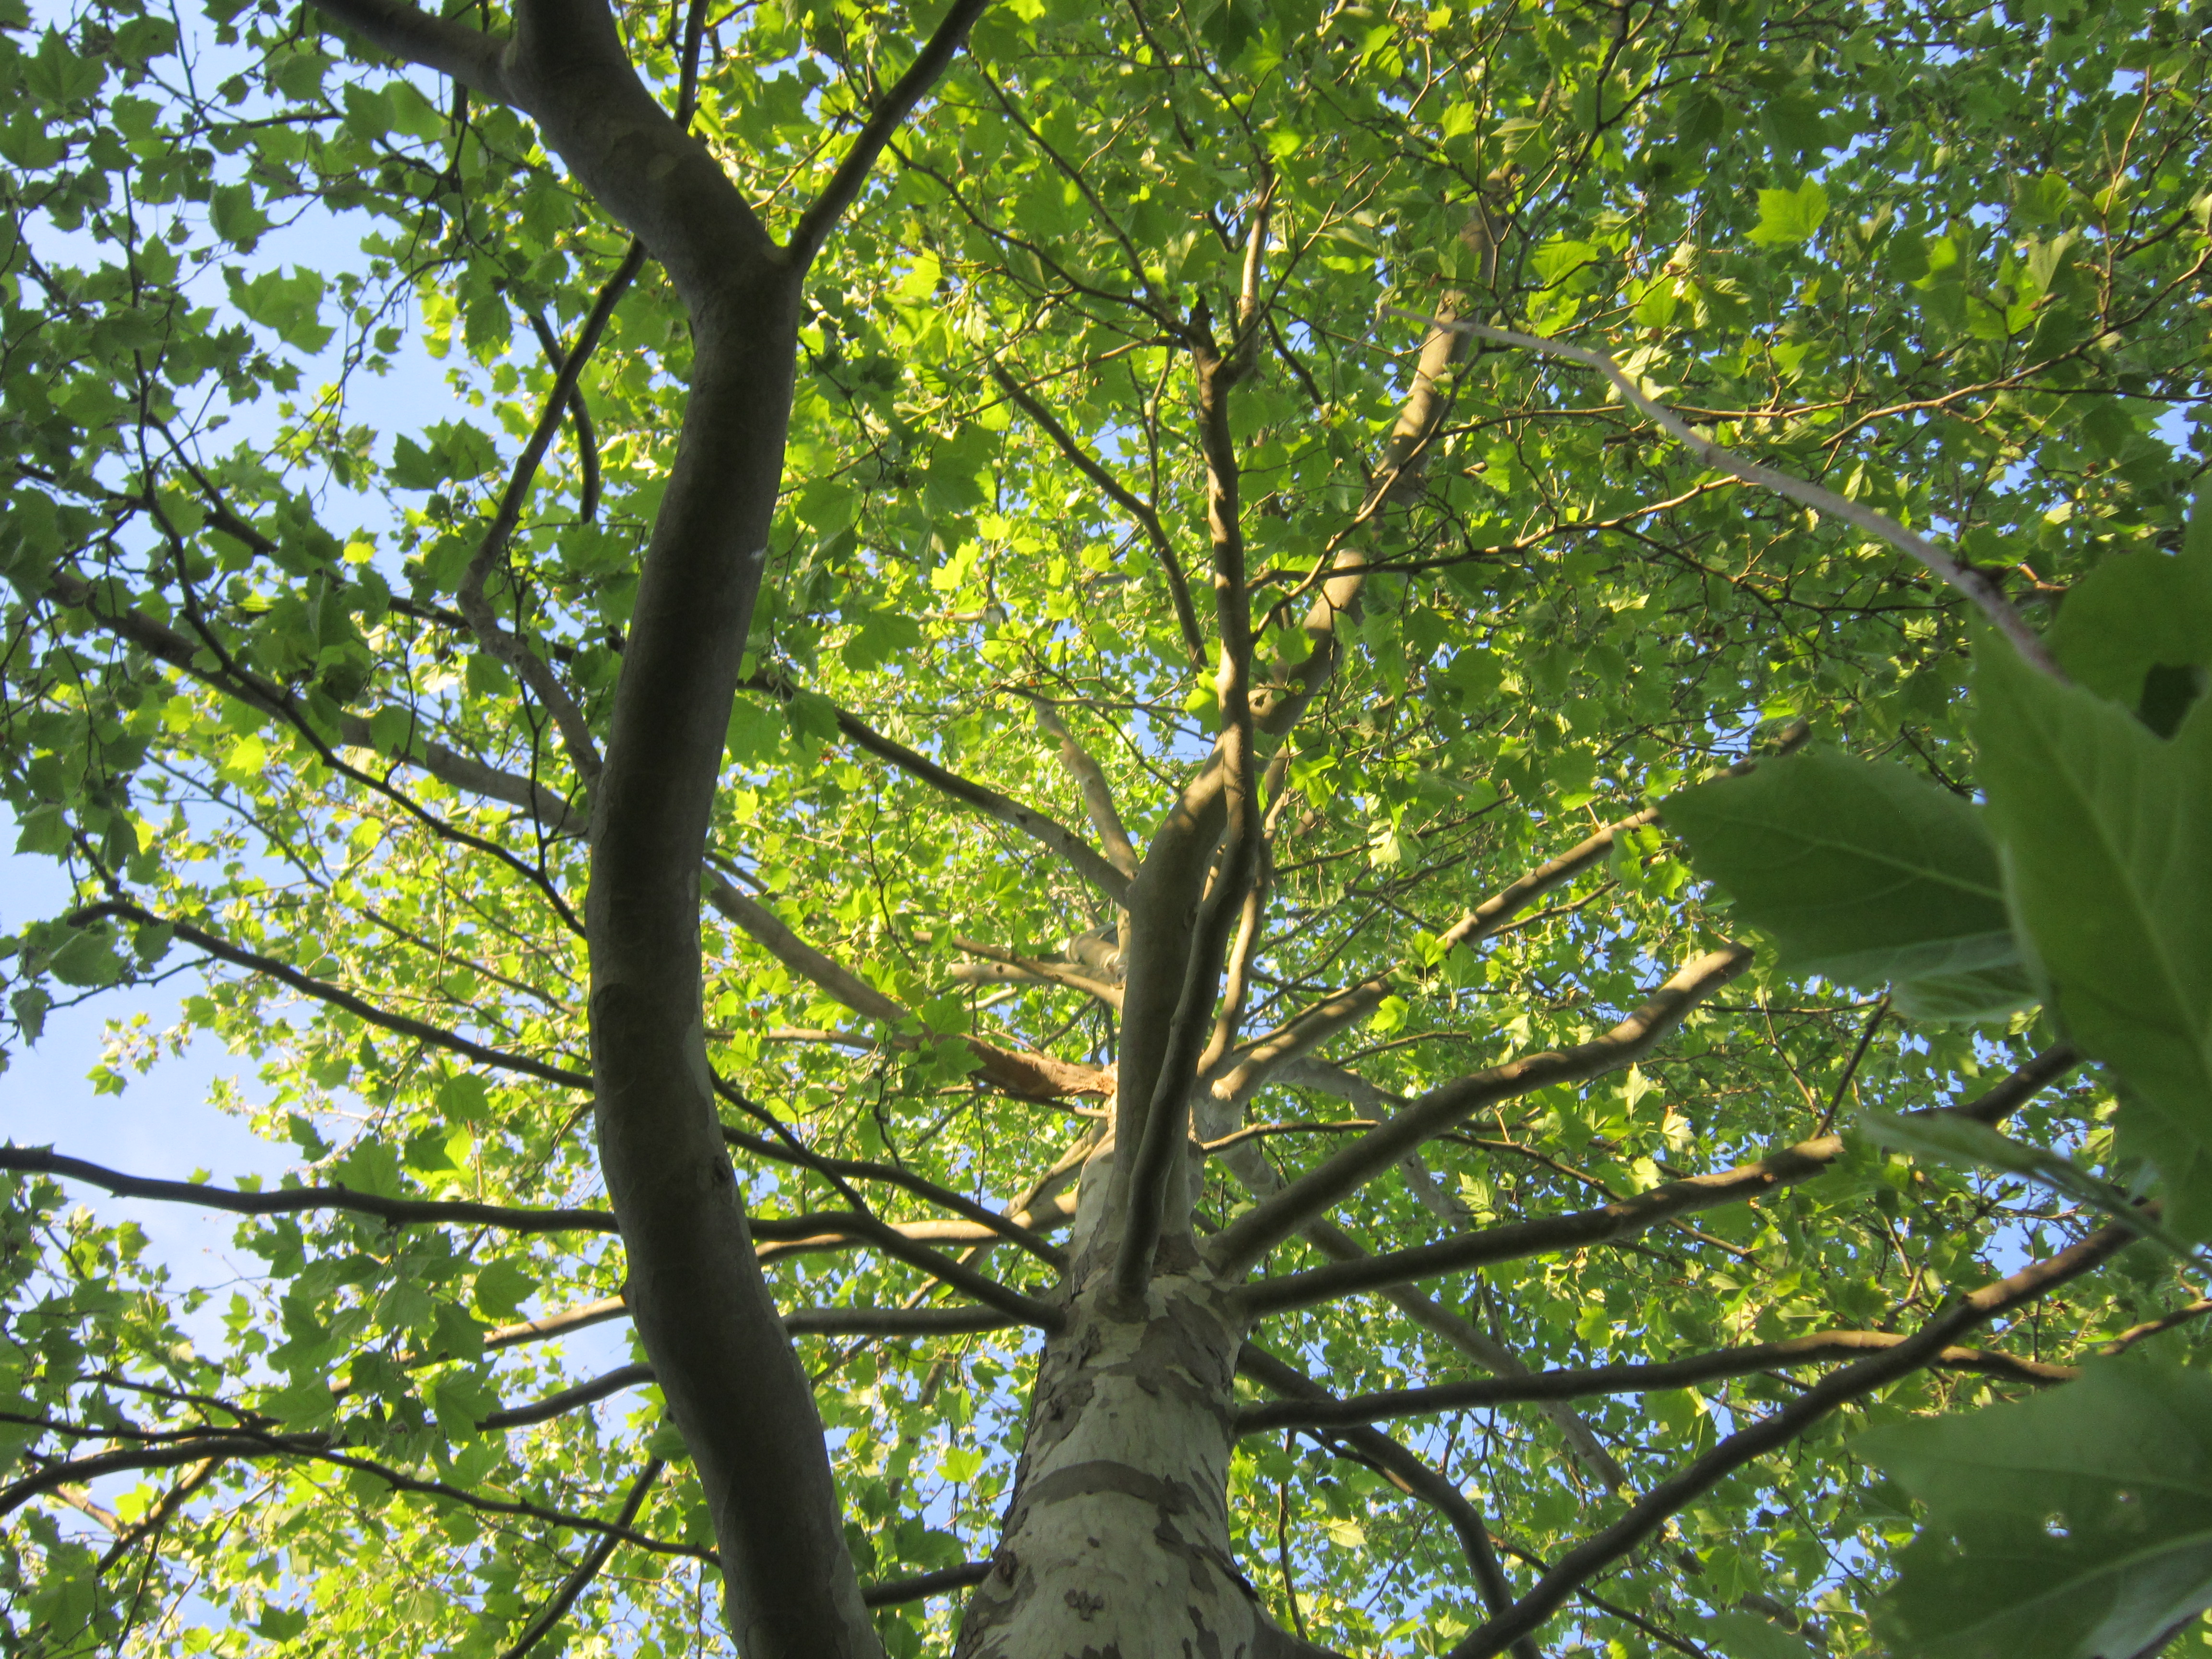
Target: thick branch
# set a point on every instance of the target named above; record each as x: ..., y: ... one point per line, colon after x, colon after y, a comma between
x: 474, y: 58
x: 400, y: 1025
x: 1612, y: 1223
x: 293, y: 1200
x: 1245, y: 1240
x: 1652, y: 1512
x: 1635, y: 1379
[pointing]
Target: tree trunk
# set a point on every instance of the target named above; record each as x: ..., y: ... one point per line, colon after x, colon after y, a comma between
x: 1117, y: 1542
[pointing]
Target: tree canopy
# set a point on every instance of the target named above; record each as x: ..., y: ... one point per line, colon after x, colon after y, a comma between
x: 1251, y: 813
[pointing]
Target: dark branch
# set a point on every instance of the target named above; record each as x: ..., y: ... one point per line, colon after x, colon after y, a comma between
x: 1409, y: 1473
x: 887, y: 1237
x: 892, y: 1591
x: 1258, y: 1230
x: 579, y: 417
x: 245, y: 1444
x: 399, y: 1024
x: 1145, y: 515
x: 507, y: 644
x: 292, y: 1200
x: 1632, y: 1379
x: 569, y: 1399
x: 1652, y: 1512
x: 1612, y: 1222
x: 588, y: 1568
x: 1006, y: 1228
x: 846, y: 183
x: 1042, y: 828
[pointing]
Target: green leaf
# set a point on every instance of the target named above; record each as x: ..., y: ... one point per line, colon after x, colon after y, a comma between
x: 288, y: 307
x: 2107, y: 838
x: 1787, y: 218
x: 87, y: 958
x: 1747, y: 1635
x: 1860, y: 871
x: 2074, y: 1525
x: 462, y: 1400
x: 2136, y: 615
x: 502, y: 1288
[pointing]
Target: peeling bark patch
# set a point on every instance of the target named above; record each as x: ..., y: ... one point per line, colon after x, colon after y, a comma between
x: 1085, y: 1605
x: 1087, y: 1479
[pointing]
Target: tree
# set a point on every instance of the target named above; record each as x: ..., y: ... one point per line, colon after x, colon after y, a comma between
x: 972, y: 793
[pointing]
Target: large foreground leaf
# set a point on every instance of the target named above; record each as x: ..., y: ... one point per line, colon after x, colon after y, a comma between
x: 2138, y: 628
x: 2074, y: 1525
x: 1862, y: 871
x: 2107, y: 837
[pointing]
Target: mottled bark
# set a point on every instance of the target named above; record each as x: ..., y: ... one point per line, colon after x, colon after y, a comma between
x: 1116, y: 1544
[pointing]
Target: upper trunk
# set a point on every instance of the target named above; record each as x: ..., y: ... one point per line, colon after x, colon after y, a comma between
x: 707, y: 1319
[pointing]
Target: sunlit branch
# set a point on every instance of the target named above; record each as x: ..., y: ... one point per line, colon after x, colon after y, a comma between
x: 1978, y: 588
x: 367, y: 1012
x: 1252, y: 1235
x: 1038, y: 970
x: 2150, y: 1327
x: 1090, y: 779
x: 294, y: 1201
x: 1652, y: 1512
